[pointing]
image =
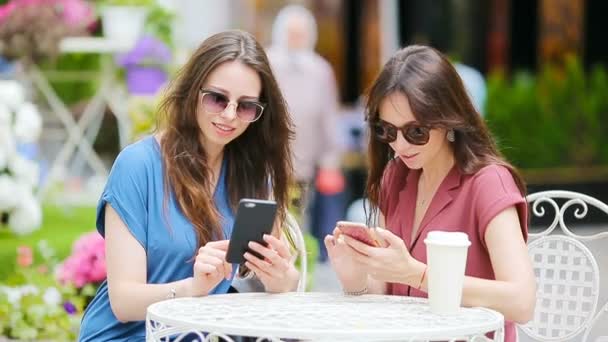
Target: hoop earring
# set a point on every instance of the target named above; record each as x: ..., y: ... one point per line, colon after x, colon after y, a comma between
x: 451, y: 135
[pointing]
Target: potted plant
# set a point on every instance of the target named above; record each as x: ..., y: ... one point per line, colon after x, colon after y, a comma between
x: 145, y: 66
x: 30, y: 30
x: 123, y: 20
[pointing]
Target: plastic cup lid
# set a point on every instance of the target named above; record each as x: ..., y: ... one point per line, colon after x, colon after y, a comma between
x: 456, y: 239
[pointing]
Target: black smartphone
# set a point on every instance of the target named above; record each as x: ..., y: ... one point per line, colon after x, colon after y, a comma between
x: 254, y: 218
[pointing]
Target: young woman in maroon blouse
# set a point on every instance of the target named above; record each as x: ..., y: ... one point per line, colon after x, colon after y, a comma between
x: 435, y: 166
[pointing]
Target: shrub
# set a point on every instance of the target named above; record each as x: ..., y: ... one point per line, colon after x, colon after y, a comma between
x: 553, y: 119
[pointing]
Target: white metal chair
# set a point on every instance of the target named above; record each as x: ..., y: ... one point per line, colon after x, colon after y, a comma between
x: 296, y: 233
x: 567, y: 273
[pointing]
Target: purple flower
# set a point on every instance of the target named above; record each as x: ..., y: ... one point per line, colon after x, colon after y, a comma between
x: 147, y: 51
x: 69, y: 308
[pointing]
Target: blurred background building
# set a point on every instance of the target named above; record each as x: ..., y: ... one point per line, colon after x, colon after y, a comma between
x: 536, y: 71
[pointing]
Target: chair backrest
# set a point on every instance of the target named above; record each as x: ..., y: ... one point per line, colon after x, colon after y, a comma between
x: 296, y: 233
x: 567, y: 273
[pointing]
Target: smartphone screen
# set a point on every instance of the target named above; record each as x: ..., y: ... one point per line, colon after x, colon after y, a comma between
x: 358, y: 231
x: 254, y: 218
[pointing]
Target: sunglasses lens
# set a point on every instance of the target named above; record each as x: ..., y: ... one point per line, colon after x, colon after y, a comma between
x: 214, y: 103
x: 249, y: 111
x: 416, y: 135
x: 384, y: 133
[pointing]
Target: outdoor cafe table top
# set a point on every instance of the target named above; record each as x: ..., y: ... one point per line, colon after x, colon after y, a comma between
x: 316, y: 315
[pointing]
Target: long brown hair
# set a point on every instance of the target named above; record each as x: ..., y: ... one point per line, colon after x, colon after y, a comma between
x: 437, y: 98
x: 258, y: 160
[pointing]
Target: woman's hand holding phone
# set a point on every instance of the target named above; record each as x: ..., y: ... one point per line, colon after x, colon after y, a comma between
x: 359, y: 232
x: 357, y: 252
x: 390, y: 264
x: 350, y: 272
x: 210, y: 267
x: 274, y: 269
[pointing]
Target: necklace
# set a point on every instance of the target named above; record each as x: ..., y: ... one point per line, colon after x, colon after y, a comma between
x: 423, y: 195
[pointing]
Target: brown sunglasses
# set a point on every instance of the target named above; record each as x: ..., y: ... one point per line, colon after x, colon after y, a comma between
x: 414, y: 132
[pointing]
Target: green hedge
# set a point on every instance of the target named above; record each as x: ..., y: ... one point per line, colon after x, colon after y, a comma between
x: 556, y: 118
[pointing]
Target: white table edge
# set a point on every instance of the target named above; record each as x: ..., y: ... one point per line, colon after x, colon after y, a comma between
x: 191, y: 326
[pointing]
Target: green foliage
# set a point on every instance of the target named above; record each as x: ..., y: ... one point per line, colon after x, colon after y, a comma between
x: 312, y: 254
x: 35, y: 320
x: 158, y: 24
x: 158, y: 18
x: 32, y: 303
x: 143, y: 113
x: 60, y: 228
x: 552, y: 119
x: 72, y: 92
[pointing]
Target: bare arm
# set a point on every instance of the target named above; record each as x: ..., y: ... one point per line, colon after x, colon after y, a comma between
x: 129, y: 293
x: 513, y: 293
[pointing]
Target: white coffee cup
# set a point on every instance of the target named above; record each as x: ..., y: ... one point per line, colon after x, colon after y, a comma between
x: 446, y: 254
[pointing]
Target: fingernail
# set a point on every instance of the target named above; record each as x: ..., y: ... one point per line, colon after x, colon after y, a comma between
x: 250, y: 244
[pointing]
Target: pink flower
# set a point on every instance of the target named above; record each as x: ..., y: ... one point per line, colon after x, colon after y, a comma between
x: 98, y: 271
x: 74, y: 13
x: 87, y: 263
x: 77, y: 13
x: 25, y: 256
x: 6, y: 10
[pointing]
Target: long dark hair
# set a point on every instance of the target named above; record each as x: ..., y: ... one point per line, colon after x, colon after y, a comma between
x: 437, y: 98
x: 258, y: 160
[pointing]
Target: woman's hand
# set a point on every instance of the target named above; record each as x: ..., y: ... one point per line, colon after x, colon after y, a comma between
x: 276, y: 270
x: 392, y: 263
x: 350, y: 272
x: 210, y: 267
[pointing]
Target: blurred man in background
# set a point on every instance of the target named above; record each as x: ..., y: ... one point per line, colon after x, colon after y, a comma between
x: 309, y: 86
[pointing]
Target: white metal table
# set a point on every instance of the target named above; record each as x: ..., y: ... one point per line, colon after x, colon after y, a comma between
x: 316, y: 316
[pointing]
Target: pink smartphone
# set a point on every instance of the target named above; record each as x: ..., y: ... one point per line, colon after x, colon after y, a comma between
x: 358, y: 231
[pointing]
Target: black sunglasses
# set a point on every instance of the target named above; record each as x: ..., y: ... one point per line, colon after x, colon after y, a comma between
x: 414, y: 132
x: 215, y: 103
